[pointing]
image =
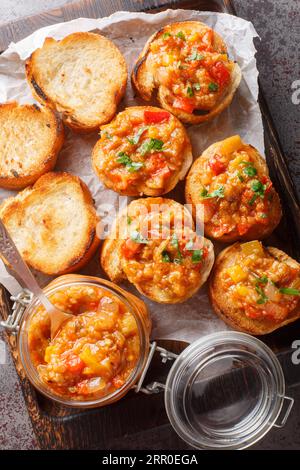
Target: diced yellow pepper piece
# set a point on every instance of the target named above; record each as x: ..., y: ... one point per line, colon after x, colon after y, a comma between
x: 243, y: 291
x: 91, y: 360
x: 251, y: 248
x: 168, y: 59
x: 230, y: 145
x: 237, y: 161
x: 237, y: 273
x: 48, y: 353
x: 152, y: 132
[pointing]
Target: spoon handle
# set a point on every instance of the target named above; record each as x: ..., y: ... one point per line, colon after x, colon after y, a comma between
x: 12, y: 257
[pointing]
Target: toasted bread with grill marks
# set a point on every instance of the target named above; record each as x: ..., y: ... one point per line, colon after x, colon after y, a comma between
x: 228, y: 311
x: 53, y: 223
x: 30, y: 139
x: 83, y: 76
x: 145, y: 81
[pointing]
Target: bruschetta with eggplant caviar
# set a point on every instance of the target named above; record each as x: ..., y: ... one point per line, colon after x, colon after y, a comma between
x: 231, y: 192
x: 144, y: 150
x: 255, y: 289
x: 187, y: 62
x: 154, y: 245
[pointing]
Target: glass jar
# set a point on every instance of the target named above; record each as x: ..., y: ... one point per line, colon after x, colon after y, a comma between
x: 135, y: 306
x: 226, y: 391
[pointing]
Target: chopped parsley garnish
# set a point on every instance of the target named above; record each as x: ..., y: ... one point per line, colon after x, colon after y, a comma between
x: 190, y: 92
x: 263, y: 216
x: 149, y: 145
x: 197, y: 86
x: 253, y: 199
x: 258, y: 188
x: 262, y: 280
x: 135, y: 139
x: 194, y: 56
x: 130, y: 165
x: 166, y: 35
x: 213, y: 86
x: 289, y: 291
x: 181, y: 35
x: 197, y: 256
x: 262, y: 296
x: 137, y: 237
x: 249, y: 170
x: 216, y: 193
x: 175, y: 243
x: 166, y: 257
x: 240, y: 177
x: 129, y: 220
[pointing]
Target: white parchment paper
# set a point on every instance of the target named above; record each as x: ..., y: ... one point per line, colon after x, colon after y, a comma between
x: 129, y: 31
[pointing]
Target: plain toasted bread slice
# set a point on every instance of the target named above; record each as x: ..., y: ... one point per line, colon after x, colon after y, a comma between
x: 83, y: 76
x: 30, y: 139
x: 53, y: 223
x: 145, y: 83
x: 229, y: 312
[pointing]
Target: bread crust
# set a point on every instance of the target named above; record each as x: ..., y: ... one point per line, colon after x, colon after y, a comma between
x: 186, y: 157
x: 193, y: 188
x: 32, y: 138
x: 230, y: 313
x: 112, y: 259
x: 40, y: 224
x: 72, y: 114
x: 143, y: 81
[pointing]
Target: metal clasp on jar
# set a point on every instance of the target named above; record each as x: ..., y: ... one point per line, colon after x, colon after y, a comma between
x: 20, y: 303
x: 153, y: 387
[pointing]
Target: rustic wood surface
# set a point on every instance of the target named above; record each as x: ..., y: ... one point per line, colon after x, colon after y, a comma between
x: 104, y: 428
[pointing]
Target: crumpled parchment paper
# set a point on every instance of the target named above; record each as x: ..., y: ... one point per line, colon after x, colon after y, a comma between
x: 129, y: 31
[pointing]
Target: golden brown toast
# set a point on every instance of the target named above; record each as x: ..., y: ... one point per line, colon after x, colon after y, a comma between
x: 83, y: 77
x: 30, y: 139
x: 53, y: 223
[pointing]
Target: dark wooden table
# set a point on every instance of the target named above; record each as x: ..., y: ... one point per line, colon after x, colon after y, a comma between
x: 278, y: 24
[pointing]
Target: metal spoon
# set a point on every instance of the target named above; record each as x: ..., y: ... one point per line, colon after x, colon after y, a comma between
x: 12, y: 257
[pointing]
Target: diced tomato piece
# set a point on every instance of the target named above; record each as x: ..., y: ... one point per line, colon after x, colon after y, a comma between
x: 130, y: 248
x: 158, y: 166
x: 217, y: 165
x: 74, y: 363
x: 252, y: 312
x: 155, y: 117
x: 220, y: 73
x: 243, y: 228
x: 185, y: 104
x: 209, y: 208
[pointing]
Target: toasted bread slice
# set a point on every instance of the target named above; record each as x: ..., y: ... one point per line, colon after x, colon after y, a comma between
x: 239, y: 210
x: 229, y: 311
x: 83, y: 76
x: 146, y: 80
x: 150, y: 269
x: 53, y: 223
x: 160, y: 170
x: 30, y: 139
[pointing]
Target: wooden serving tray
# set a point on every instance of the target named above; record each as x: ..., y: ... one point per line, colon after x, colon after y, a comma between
x: 139, y: 421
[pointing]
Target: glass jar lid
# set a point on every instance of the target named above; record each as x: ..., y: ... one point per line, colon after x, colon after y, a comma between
x: 224, y: 391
